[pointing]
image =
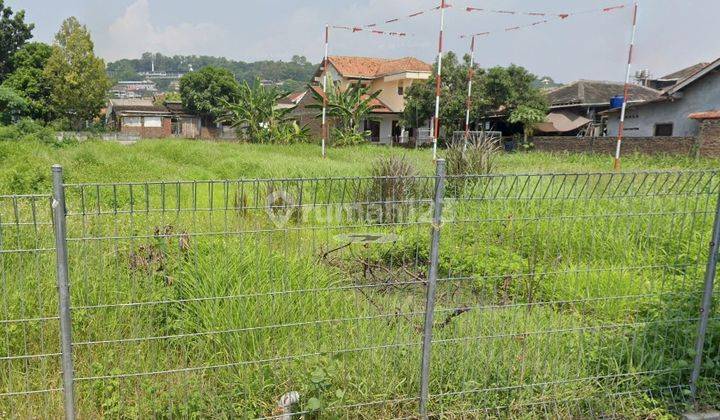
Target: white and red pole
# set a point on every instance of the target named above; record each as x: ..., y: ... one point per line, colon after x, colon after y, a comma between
x: 325, y: 101
x: 471, y: 75
x: 438, y: 81
x: 621, y: 128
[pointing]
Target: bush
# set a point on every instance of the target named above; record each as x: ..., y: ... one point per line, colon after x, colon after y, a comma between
x: 289, y: 133
x: 28, y: 179
x: 472, y: 158
x: 27, y: 130
x: 9, y: 133
x: 342, y: 138
x: 393, y: 188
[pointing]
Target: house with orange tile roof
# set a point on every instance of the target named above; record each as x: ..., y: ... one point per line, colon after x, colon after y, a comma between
x: 392, y: 77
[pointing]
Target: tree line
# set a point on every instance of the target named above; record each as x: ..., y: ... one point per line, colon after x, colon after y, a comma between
x: 293, y: 74
x: 64, y: 83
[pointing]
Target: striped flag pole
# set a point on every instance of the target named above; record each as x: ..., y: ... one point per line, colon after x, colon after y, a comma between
x: 471, y: 74
x: 325, y: 101
x: 438, y: 81
x: 621, y: 128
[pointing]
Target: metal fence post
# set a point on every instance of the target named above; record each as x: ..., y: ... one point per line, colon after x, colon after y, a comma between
x: 58, y: 207
x: 706, y: 302
x: 431, y: 286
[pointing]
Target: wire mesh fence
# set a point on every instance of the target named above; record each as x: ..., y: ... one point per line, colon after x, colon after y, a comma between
x: 30, y: 379
x: 559, y: 295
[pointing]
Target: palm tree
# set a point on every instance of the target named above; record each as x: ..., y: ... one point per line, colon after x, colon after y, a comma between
x: 350, y: 106
x: 255, y: 115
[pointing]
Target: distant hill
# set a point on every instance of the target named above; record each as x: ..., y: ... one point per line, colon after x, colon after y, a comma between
x: 289, y: 75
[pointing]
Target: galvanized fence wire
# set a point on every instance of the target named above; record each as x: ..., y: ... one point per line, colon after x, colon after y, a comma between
x: 557, y: 295
x: 582, y: 286
x: 29, y: 341
x: 248, y: 290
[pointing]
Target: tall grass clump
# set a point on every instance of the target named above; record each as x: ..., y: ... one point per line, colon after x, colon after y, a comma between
x: 477, y: 157
x: 394, y: 188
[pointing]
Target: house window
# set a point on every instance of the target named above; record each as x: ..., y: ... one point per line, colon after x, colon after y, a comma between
x: 153, y: 122
x: 664, y: 130
x: 401, y: 89
x: 132, y: 121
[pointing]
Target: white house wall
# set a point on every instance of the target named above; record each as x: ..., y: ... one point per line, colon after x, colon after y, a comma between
x: 386, y: 128
x: 703, y: 95
x: 385, y: 121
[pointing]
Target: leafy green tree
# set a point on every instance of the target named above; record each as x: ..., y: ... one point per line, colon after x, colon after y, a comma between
x: 293, y: 74
x: 508, y: 88
x: 255, y: 115
x: 77, y: 78
x: 29, y: 80
x: 420, y: 98
x: 495, y: 90
x: 123, y: 70
x: 14, y: 32
x: 208, y: 91
x: 12, y: 105
x: 350, y: 107
x: 528, y: 117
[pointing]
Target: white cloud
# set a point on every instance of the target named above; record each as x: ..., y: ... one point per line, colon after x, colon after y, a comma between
x: 134, y: 33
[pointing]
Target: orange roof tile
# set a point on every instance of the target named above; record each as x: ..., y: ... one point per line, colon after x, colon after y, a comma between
x: 371, y: 68
x: 707, y: 115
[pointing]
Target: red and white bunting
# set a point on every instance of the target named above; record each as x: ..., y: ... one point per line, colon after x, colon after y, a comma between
x: 356, y: 29
x: 508, y: 12
x: 552, y: 17
x: 406, y: 17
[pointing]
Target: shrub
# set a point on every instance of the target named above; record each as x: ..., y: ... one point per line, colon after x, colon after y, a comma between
x: 9, y: 133
x: 29, y: 179
x: 342, y: 138
x: 471, y: 158
x: 393, y: 188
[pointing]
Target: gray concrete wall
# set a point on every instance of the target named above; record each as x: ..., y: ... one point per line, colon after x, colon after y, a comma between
x: 703, y: 95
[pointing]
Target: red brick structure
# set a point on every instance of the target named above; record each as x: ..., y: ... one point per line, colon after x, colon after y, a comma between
x: 706, y: 144
x: 606, y: 145
x: 146, y: 120
x: 709, y: 136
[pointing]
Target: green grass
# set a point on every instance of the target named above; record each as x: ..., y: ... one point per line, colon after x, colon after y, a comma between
x: 24, y: 166
x: 582, y: 291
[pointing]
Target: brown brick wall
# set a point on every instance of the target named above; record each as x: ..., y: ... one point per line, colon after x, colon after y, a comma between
x: 709, y: 139
x: 606, y: 145
x: 150, y: 132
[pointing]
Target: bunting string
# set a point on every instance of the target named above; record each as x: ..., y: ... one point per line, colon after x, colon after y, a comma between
x: 406, y: 17
x: 552, y: 17
x: 356, y: 29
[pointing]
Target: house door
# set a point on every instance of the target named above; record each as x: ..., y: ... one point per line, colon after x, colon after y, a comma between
x: 396, y: 131
x: 374, y: 128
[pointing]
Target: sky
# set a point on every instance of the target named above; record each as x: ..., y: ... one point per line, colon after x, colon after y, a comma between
x: 672, y: 34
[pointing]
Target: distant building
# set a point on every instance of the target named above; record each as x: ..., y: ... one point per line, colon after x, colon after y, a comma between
x: 578, y: 106
x: 291, y: 100
x: 675, y: 111
x: 390, y: 76
x: 134, y: 89
x: 143, y: 118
